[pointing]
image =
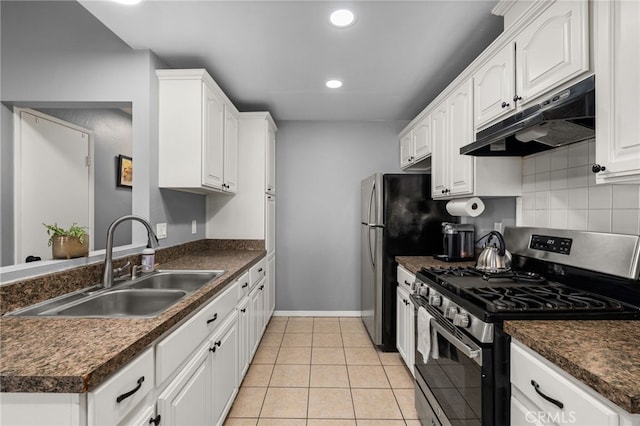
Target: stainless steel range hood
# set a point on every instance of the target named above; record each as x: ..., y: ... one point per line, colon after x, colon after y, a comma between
x: 562, y: 118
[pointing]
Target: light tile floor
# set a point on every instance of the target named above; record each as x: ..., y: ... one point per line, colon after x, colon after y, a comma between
x: 313, y: 371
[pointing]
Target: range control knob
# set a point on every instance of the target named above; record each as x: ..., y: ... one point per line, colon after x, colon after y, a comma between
x: 462, y: 320
x: 451, y: 312
x: 435, y: 300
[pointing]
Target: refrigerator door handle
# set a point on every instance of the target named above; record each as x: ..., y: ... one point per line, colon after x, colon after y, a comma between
x: 371, y: 200
x: 371, y: 255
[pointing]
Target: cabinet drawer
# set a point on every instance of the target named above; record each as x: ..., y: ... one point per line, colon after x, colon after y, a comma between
x: 257, y: 272
x: 130, y: 385
x: 173, y: 351
x: 405, y: 279
x: 579, y: 406
x: 243, y: 285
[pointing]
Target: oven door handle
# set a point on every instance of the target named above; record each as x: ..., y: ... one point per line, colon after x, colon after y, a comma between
x: 469, y: 349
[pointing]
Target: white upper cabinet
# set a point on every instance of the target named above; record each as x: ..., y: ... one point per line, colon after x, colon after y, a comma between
x: 213, y: 139
x: 415, y: 145
x: 549, y: 50
x: 494, y: 87
x: 552, y: 49
x: 461, y: 167
x: 270, y: 187
x: 230, y: 181
x: 441, y: 151
x: 198, y: 137
x: 617, y: 66
x: 455, y: 175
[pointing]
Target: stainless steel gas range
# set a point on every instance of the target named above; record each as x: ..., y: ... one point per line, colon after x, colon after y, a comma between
x: 462, y: 353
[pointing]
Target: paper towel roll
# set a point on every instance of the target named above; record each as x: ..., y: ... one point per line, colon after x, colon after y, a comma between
x: 465, y: 207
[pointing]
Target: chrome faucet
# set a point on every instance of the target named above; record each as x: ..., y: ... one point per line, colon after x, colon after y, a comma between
x: 152, y: 241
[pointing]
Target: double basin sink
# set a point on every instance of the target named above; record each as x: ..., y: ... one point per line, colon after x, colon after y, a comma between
x: 146, y: 296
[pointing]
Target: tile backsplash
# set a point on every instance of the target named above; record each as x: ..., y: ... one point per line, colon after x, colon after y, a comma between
x: 559, y: 191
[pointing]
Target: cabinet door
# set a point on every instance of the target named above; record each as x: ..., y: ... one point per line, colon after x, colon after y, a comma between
x: 145, y: 417
x: 271, y: 285
x: 617, y: 66
x: 422, y: 138
x: 255, y: 308
x: 494, y: 87
x: 406, y: 149
x: 224, y: 367
x: 230, y: 151
x: 270, y: 222
x: 460, y: 121
x: 187, y: 400
x: 271, y: 161
x: 440, y: 155
x: 553, y: 49
x: 244, y: 336
x: 522, y: 415
x: 401, y: 326
x: 213, y: 138
x: 411, y: 337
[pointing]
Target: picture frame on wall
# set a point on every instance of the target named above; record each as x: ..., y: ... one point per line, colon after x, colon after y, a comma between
x: 125, y: 172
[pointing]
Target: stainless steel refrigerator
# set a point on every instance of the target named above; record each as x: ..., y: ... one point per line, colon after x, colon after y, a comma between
x: 398, y: 218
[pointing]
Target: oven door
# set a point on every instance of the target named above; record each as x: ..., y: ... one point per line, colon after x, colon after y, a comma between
x: 455, y: 385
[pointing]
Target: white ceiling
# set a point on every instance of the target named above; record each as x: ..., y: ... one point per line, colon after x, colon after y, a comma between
x: 276, y: 55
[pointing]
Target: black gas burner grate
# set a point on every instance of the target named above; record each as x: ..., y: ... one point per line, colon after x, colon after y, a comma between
x: 540, y: 298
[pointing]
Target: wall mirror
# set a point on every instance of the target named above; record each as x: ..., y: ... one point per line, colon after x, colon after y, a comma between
x: 39, y: 178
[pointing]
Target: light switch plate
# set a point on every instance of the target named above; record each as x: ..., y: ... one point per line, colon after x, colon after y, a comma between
x: 194, y: 227
x: 161, y: 230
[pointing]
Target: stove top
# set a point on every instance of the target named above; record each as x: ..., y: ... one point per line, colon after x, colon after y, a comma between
x: 541, y: 298
x: 514, y: 293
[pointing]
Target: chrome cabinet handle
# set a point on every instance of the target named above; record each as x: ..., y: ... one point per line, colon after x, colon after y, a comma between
x: 597, y: 168
x: 155, y: 420
x: 131, y: 392
x: 505, y: 104
x: 555, y: 402
x: 517, y: 98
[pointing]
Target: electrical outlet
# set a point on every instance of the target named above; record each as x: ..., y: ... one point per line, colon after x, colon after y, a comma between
x: 194, y: 227
x: 161, y: 230
x: 497, y: 226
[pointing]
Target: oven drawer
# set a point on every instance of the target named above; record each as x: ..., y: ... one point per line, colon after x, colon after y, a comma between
x: 548, y: 388
x: 405, y: 279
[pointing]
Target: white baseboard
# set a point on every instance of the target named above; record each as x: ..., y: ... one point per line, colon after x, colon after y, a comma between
x: 317, y: 313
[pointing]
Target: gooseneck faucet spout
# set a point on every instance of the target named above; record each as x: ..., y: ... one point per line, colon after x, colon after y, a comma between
x: 152, y: 241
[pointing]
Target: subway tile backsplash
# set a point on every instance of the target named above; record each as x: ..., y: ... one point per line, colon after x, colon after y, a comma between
x: 560, y: 191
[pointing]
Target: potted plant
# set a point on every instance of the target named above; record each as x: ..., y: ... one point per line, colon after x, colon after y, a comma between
x: 69, y: 243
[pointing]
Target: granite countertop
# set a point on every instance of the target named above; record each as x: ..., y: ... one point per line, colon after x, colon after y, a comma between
x: 414, y: 263
x: 74, y: 355
x: 604, y: 355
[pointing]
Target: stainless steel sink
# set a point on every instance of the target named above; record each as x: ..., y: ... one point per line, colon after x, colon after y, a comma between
x: 123, y: 303
x: 189, y: 281
x: 146, y: 296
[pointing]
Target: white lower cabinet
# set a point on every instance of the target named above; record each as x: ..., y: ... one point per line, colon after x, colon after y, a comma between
x: 543, y: 394
x: 244, y: 338
x: 116, y: 398
x: 224, y: 367
x: 147, y: 416
x: 405, y: 319
x: 187, y: 399
x: 271, y: 286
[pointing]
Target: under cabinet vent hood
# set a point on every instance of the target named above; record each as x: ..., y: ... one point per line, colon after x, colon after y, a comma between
x: 562, y: 118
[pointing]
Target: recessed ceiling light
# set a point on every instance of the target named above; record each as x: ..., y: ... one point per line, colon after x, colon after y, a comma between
x: 342, y: 18
x: 127, y: 2
x: 334, y: 84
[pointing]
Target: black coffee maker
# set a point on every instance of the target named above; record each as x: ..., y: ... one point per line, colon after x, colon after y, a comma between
x: 458, y: 241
